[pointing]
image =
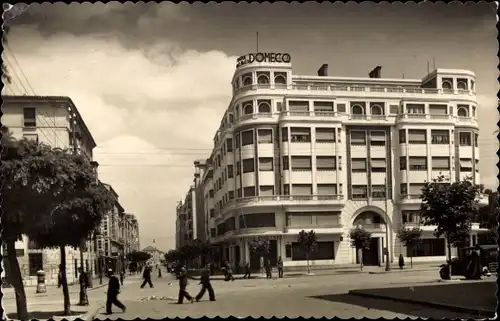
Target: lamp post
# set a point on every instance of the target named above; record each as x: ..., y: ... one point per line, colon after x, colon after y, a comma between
x: 387, y: 263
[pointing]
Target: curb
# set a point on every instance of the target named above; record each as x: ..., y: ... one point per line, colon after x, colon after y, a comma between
x: 454, y: 308
x: 404, y: 271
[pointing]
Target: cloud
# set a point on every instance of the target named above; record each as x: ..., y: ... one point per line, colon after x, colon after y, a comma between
x: 152, y: 111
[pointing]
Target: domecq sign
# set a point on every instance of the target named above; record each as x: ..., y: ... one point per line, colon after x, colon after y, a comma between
x: 263, y: 57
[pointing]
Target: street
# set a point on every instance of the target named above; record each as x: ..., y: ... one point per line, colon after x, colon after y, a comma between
x: 315, y: 296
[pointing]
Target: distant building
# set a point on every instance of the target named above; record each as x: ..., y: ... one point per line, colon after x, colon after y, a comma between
x: 56, y: 121
x: 156, y: 255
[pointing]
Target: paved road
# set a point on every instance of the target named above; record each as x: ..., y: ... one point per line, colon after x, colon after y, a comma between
x: 315, y: 296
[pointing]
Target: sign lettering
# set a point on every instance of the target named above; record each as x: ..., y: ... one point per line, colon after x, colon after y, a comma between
x: 263, y: 57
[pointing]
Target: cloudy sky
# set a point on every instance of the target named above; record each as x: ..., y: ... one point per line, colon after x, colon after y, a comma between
x: 152, y: 81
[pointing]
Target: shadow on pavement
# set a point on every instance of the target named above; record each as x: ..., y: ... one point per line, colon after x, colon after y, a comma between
x: 46, y: 314
x: 396, y: 307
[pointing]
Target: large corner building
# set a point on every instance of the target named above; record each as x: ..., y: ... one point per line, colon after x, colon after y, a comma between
x: 331, y: 153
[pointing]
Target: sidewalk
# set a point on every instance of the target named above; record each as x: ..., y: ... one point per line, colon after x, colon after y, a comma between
x: 471, y: 297
x: 337, y: 271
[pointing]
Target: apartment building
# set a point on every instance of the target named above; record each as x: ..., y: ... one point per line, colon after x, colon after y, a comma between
x: 186, y: 229
x: 53, y: 120
x: 330, y: 153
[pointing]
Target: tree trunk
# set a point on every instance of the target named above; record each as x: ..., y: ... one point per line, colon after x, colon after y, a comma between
x: 411, y: 261
x: 360, y: 256
x: 16, y: 281
x: 448, y: 244
x: 308, y: 269
x: 64, y: 282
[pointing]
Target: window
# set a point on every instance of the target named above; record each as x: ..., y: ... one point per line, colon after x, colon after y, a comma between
x: 302, y: 189
x: 402, y: 136
x: 377, y: 138
x: 257, y: 220
x: 325, y: 135
x: 415, y: 108
x: 476, y: 140
x: 327, y: 189
x: 238, y: 168
x: 357, y: 110
x: 264, y: 107
x: 377, y: 110
x: 230, y: 173
x: 262, y: 78
x: 358, y: 165
x: 298, y: 106
x: 440, y: 137
x: 249, y: 191
x: 418, y: 163
x: 323, y: 251
x: 31, y: 137
x: 29, y: 114
x: 279, y: 106
x: 447, y: 83
x: 300, y: 135
x: 465, y: 165
x: 212, y: 232
x: 286, y: 189
x: 35, y: 263
x: 247, y: 138
x: 358, y: 137
x: 477, y: 165
x: 288, y: 250
x: 435, y: 109
x: 212, y: 213
x: 301, y: 163
x: 427, y: 247
x: 412, y: 217
x: 323, y: 106
x: 462, y: 84
x: 359, y: 191
x: 285, y: 163
x: 229, y: 145
x: 416, y: 189
x: 462, y: 111
x: 417, y: 136
x: 266, y: 164
x: 265, y: 136
x: 231, y: 195
x: 325, y: 163
x: 465, y: 138
x: 378, y: 165
x: 266, y: 190
x: 238, y: 192
x: 248, y: 165
x: 211, y: 193
x: 341, y: 108
x: 247, y: 109
x: 237, y: 137
x: 402, y: 163
x: 247, y: 79
x: 440, y: 163
x: 280, y: 78
x: 403, y: 189
x: 284, y: 134
x: 378, y: 191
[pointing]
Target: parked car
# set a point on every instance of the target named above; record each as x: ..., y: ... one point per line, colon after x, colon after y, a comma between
x: 488, y: 259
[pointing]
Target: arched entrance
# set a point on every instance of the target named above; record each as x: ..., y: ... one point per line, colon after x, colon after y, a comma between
x: 374, y: 223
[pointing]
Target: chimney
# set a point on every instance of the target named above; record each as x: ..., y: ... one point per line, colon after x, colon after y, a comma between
x: 323, y: 70
x: 376, y: 72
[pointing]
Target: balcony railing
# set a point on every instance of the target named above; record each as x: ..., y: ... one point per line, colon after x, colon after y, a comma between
x: 410, y: 196
x: 356, y: 88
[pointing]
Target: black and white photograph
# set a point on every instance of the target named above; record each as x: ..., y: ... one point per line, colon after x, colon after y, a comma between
x: 249, y: 159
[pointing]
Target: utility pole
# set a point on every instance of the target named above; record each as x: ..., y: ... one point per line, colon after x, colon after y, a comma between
x: 257, y: 41
x: 387, y: 263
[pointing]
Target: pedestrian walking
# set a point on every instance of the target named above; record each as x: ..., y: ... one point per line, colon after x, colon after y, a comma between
x: 229, y: 272
x: 83, y: 279
x: 262, y: 265
x: 247, y: 271
x: 146, y: 275
x: 122, y: 277
x: 269, y: 274
x: 183, y: 293
x: 280, y: 267
x: 401, y: 261
x: 206, y: 285
x: 112, y: 294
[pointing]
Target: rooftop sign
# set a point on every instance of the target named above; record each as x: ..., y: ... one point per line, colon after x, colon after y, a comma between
x: 263, y: 57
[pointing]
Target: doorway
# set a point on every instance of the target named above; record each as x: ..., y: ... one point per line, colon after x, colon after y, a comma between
x: 370, y: 255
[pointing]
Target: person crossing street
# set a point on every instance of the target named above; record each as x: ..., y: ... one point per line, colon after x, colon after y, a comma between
x: 183, y: 293
x: 112, y: 294
x: 147, y: 277
x: 206, y: 285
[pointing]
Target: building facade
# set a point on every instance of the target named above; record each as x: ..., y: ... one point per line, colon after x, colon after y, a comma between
x: 186, y: 230
x: 55, y: 121
x: 330, y: 153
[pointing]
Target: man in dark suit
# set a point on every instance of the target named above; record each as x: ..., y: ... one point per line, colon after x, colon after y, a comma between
x: 206, y: 285
x: 183, y: 293
x: 112, y: 294
x: 147, y: 277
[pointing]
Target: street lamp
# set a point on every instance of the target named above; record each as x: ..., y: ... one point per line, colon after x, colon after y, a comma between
x: 387, y: 263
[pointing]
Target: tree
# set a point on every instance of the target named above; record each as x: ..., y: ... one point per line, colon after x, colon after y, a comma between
x: 307, y: 241
x: 360, y: 239
x: 451, y: 208
x: 259, y: 245
x: 172, y: 256
x: 138, y: 256
x: 410, y: 238
x: 74, y: 212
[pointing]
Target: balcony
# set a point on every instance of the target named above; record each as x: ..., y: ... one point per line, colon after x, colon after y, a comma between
x: 410, y: 199
x: 398, y: 91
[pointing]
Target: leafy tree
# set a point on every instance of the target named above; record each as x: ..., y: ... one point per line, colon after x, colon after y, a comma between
x: 360, y: 239
x: 307, y: 241
x: 451, y: 208
x: 410, y: 239
x: 138, y: 256
x: 259, y: 245
x: 75, y: 212
x: 172, y: 256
